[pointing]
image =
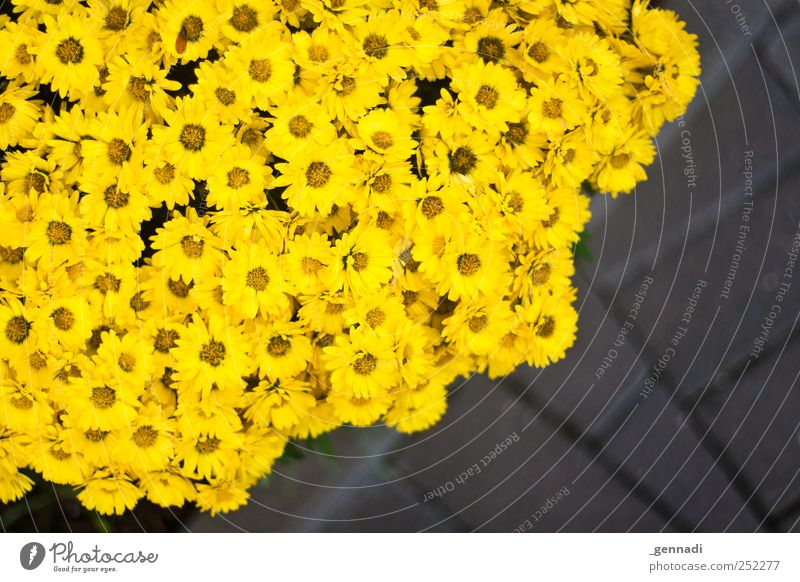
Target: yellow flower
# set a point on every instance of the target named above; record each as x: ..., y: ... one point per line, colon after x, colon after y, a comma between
x: 377, y: 42
x: 186, y: 249
x: 280, y: 404
x: 147, y: 444
x: 189, y: 28
x: 98, y: 401
x: 307, y: 264
x: 623, y: 167
x: 70, y: 55
x: 239, y: 18
x: 109, y: 494
x: 17, y: 40
x: 57, y: 235
x: 220, y: 90
x: 489, y: 96
x: 18, y: 114
x: 167, y: 488
x: 554, y: 108
x: 252, y: 282
x: 191, y: 137
x: 418, y: 408
x: 220, y: 496
x: 384, y: 131
x: 262, y: 63
x: 362, y: 364
x: 140, y: 85
x: 363, y: 260
x: 554, y: 324
x: 240, y: 179
x: 213, y: 353
x: 317, y: 178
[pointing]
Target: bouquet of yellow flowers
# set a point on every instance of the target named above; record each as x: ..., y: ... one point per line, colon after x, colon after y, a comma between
x: 226, y: 224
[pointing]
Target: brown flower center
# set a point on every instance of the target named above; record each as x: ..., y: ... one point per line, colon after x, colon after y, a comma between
x: 516, y: 134
x: 431, y: 206
x: 382, y: 139
x: 382, y: 183
x: 491, y: 48
x: 317, y: 174
x: 11, y: 255
x: 192, y: 28
x: 257, y: 279
x: 462, y: 160
x: 376, y: 46
x: 365, y: 364
x: 96, y: 435
x: 118, y: 151
x: 225, y: 96
x: 207, y: 445
x: 548, y: 327
x: 58, y: 233
x: 115, y: 198
x: 138, y: 302
x: 192, y: 246
x: 360, y: 261
x: 117, y: 18
x: 17, y: 329
x: 22, y: 55
x: 126, y: 362
x: 166, y: 339
x: 468, y: 264
x: 486, y: 96
x: 178, y: 288
x: 310, y: 265
x: 541, y: 274
x: 278, y: 346
x: 6, y: 112
x: 212, y: 353
x: 375, y: 317
x: 165, y: 174
x: 145, y: 436
x: 539, y: 51
x: 260, y: 70
x: 70, y: 51
x: 238, y: 177
x: 193, y: 137
x: 37, y: 181
x: 318, y: 53
x: 106, y: 283
x: 244, y: 18
x: 103, y: 397
x: 138, y: 88
x: 63, y: 318
x: 478, y: 323
x: 552, y: 108
x: 347, y: 85
x: 619, y: 161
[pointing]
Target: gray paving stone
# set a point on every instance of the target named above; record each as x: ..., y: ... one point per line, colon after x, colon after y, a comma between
x: 505, y: 492
x: 592, y: 385
x: 755, y: 418
x: 355, y: 490
x: 781, y: 52
x: 630, y: 234
x: 657, y: 445
x: 723, y: 330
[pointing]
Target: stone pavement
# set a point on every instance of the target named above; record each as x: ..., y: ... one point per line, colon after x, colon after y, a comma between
x: 693, y: 423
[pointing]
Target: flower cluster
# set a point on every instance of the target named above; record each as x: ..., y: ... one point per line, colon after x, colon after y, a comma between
x: 229, y: 223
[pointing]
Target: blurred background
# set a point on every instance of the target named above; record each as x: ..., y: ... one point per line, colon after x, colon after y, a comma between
x: 678, y: 409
